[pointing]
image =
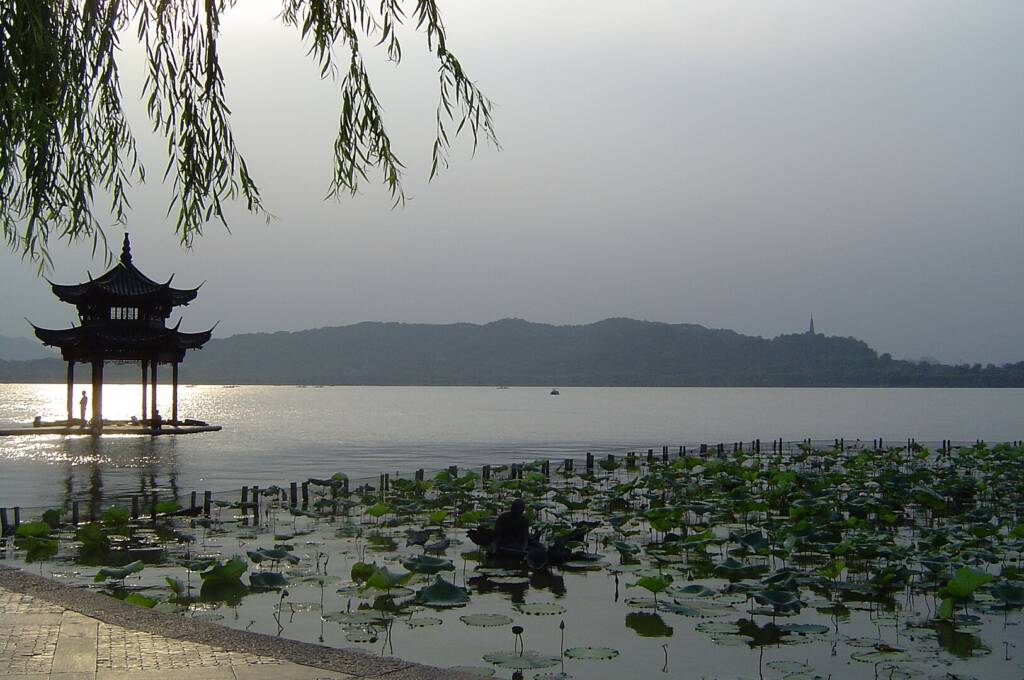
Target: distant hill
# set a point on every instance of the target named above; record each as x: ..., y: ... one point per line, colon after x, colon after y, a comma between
x: 516, y: 352
x: 23, y: 349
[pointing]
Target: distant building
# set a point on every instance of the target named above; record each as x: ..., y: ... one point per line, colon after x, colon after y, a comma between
x: 810, y: 331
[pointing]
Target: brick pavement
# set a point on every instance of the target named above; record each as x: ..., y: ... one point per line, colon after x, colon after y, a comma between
x: 43, y: 641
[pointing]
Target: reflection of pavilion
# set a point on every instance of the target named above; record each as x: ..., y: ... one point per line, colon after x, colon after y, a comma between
x: 123, y: 318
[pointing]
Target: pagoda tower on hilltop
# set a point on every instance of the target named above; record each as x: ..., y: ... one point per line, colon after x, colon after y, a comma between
x: 123, y: 318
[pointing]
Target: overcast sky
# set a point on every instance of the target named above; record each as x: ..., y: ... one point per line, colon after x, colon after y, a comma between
x: 733, y: 164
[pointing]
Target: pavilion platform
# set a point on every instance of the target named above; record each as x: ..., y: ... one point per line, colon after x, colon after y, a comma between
x: 75, y: 428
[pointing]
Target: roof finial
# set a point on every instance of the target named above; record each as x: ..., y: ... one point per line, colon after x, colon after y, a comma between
x: 126, y: 250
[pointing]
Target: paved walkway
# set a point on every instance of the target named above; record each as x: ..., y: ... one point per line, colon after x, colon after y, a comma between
x: 43, y: 641
x: 49, y: 631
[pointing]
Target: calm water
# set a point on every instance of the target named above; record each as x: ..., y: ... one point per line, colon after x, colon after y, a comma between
x: 280, y: 434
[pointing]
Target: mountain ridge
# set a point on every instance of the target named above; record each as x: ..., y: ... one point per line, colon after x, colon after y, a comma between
x: 612, y: 352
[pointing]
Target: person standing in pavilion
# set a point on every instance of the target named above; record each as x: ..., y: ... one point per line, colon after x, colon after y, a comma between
x: 82, y: 404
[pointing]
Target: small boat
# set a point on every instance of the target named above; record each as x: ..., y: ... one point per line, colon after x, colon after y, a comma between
x: 502, y: 387
x: 554, y: 391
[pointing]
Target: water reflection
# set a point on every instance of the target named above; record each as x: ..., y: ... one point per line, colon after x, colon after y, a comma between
x: 139, y: 466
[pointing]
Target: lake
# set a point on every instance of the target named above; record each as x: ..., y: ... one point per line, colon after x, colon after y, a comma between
x: 277, y: 434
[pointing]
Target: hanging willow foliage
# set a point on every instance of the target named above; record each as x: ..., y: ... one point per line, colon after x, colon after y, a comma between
x: 64, y: 135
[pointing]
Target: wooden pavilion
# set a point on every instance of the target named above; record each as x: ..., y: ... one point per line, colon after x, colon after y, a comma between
x: 123, y: 317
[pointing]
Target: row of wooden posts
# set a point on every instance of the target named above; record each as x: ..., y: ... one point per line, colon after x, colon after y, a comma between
x: 250, y: 497
x: 7, y: 526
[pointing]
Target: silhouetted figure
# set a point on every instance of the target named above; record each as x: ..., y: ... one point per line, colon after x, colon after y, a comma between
x: 512, y: 529
x: 82, y: 403
x: 158, y: 421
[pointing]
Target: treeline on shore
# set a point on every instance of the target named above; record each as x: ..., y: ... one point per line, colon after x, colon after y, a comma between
x: 613, y: 352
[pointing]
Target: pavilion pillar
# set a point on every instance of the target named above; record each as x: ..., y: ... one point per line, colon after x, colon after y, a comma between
x: 174, y: 392
x: 97, y: 394
x: 71, y: 390
x: 152, y: 386
x: 145, y: 367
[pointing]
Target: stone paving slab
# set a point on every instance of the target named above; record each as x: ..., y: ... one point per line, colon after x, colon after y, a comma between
x: 61, y: 632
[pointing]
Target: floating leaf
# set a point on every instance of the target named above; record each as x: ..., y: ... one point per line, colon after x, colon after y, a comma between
x: 32, y: 530
x: 225, y: 572
x: 442, y: 594
x: 648, y: 625
x: 385, y: 579
x: 1011, y: 593
x: 804, y: 628
x: 481, y: 671
x: 119, y: 573
x: 965, y: 581
x: 426, y: 564
x: 485, y: 620
x: 595, y: 653
x: 267, y: 580
x: 881, y: 653
x: 423, y: 622
x: 540, y: 608
x: 526, y: 660
x: 361, y: 571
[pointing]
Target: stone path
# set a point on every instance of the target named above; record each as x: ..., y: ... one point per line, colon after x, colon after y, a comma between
x: 43, y: 641
x: 49, y: 631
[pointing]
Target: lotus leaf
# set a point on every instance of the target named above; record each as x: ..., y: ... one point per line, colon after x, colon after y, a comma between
x: 779, y: 600
x: 520, y: 661
x: 176, y: 586
x: 648, y: 625
x: 118, y: 573
x: 540, y: 608
x: 274, y: 555
x: 485, y: 620
x: 442, y: 594
x: 652, y: 584
x: 229, y: 572
x: 692, y: 590
x: 366, y: 635
x: 385, y: 579
x: 476, y: 670
x: 595, y: 653
x: 1009, y: 592
x: 423, y: 622
x: 378, y: 510
x: 267, y: 580
x: 32, y: 530
x: 804, y: 628
x: 965, y: 581
x: 881, y: 653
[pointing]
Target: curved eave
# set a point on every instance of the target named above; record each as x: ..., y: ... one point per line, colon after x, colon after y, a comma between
x: 194, y: 340
x: 66, y: 337
x: 124, y: 284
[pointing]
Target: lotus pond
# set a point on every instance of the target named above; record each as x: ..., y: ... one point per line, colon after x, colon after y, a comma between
x: 798, y: 563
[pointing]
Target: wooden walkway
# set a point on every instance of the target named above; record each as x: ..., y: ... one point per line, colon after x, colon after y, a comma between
x: 114, y: 428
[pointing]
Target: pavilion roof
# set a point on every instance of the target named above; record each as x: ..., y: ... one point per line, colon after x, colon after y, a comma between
x: 122, y: 341
x: 123, y: 283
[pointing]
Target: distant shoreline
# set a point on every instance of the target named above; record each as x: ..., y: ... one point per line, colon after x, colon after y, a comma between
x: 609, y: 353
x: 544, y: 386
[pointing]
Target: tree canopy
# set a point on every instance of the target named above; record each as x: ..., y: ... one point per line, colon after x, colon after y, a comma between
x: 65, y: 138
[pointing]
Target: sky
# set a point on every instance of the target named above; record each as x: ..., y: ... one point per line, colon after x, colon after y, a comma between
x: 733, y: 164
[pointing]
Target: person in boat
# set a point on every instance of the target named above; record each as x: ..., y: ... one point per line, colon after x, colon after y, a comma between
x: 512, y: 530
